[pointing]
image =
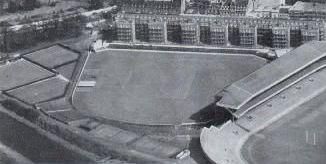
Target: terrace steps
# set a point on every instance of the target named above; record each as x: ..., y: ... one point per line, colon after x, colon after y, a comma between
x: 261, y: 98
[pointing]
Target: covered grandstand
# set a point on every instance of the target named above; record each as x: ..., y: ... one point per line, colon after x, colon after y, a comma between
x: 259, y: 86
x: 281, y: 100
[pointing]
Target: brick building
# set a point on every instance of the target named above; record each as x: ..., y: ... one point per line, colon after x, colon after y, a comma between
x: 236, y: 31
x: 189, y: 33
x: 141, y: 29
x: 205, y: 33
x: 308, y: 10
x: 234, y: 34
x: 156, y: 33
x: 174, y: 32
x: 124, y: 31
x: 281, y: 37
x: 310, y: 35
x: 219, y: 35
x: 248, y: 36
x: 151, y: 6
x: 292, y: 2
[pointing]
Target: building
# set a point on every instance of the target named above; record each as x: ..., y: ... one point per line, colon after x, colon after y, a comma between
x: 174, y: 31
x: 189, y: 33
x: 310, y: 35
x: 248, y: 36
x: 4, y: 5
x: 213, y: 9
x: 265, y: 37
x: 156, y: 32
x: 234, y: 34
x: 292, y: 2
x: 124, y: 31
x: 308, y: 10
x: 281, y: 37
x: 295, y: 37
x: 169, y: 7
x: 232, y: 10
x: 141, y: 28
x: 217, y: 7
x: 240, y: 30
x: 205, y: 33
x: 264, y: 8
x: 219, y: 35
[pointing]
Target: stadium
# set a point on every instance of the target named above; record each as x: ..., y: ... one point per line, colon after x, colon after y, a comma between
x: 145, y: 87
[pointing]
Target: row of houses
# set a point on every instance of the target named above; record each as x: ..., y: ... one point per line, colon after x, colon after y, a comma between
x: 292, y: 2
x: 217, y: 31
x: 13, y: 38
x: 151, y: 6
x: 308, y: 10
x: 215, y: 8
x: 304, y: 10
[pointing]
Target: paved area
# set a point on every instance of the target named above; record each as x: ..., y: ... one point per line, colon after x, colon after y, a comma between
x: 298, y: 138
x: 158, y: 88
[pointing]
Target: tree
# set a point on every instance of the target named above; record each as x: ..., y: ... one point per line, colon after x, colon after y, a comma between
x: 4, y: 33
x: 95, y: 4
x: 12, y: 7
x: 29, y: 4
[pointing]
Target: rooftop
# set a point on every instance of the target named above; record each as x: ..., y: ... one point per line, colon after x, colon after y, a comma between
x: 21, y: 72
x: 53, y: 56
x: 267, y: 5
x: 287, y: 127
x: 308, y: 7
x: 244, y: 90
x: 41, y: 75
